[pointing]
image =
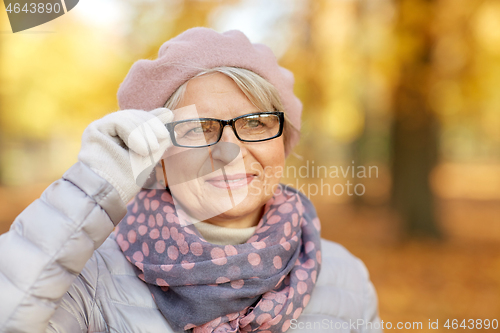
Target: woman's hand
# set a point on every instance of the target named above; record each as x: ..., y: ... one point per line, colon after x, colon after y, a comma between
x: 123, y: 147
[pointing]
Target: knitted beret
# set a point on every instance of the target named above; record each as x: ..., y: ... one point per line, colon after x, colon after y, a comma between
x: 149, y: 83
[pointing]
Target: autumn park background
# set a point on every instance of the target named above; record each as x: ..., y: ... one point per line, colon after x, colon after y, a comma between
x: 409, y: 86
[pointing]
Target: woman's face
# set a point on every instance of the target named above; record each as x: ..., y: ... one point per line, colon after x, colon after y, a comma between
x: 197, y: 176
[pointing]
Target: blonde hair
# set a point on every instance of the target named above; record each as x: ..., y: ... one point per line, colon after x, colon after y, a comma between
x: 258, y: 90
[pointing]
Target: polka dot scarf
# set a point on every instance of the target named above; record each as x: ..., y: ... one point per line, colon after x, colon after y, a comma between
x: 257, y: 286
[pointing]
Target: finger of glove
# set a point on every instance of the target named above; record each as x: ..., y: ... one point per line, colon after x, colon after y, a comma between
x: 165, y: 115
x: 158, y: 127
x: 162, y: 117
x: 132, y: 126
x: 139, y: 130
x: 142, y: 166
x: 142, y: 140
x: 119, y: 124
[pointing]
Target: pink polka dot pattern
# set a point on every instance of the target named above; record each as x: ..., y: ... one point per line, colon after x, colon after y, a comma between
x: 124, y: 245
x: 166, y: 268
x: 309, y: 246
x: 170, y: 217
x: 168, y: 209
x: 145, y: 249
x: 154, y: 234
x: 262, y: 230
x: 142, y: 229
x: 285, y: 208
x: 217, y: 253
x: 233, y: 271
x: 277, y: 262
x: 288, y: 229
x: 161, y: 282
x: 309, y: 264
x: 154, y: 205
x: 317, y: 224
x: 306, y: 299
x: 301, y: 287
x: 297, y: 313
x: 301, y: 274
x: 221, y: 280
x: 286, y: 246
x: 196, y: 249
x: 237, y: 284
x: 259, y: 245
x: 174, y: 233
x: 263, y: 318
x: 183, y: 247
x: 173, y: 252
x: 138, y: 256
x: 266, y: 305
x: 160, y: 246
x: 187, y: 265
x: 273, y: 219
x: 253, y: 259
x: 132, y: 236
x: 220, y: 261
x: 286, y: 326
x: 151, y: 221
x: 159, y: 219
x: 275, y: 320
x: 165, y: 233
x: 171, y: 255
x: 253, y: 239
x: 230, y: 250
x: 313, y: 276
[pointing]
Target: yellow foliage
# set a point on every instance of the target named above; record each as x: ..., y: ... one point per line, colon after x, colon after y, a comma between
x: 487, y: 26
x: 343, y: 121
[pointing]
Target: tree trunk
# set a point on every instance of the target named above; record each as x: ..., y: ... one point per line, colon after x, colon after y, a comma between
x: 414, y: 131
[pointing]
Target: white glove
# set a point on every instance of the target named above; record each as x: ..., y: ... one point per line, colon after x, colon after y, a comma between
x: 123, y: 147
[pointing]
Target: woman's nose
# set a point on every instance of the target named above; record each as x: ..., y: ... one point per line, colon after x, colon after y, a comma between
x: 228, y: 135
x: 229, y: 147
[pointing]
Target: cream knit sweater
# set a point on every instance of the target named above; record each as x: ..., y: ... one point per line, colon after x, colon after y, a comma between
x: 224, y: 236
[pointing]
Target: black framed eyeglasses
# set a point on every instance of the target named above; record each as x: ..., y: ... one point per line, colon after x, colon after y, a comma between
x: 205, y: 132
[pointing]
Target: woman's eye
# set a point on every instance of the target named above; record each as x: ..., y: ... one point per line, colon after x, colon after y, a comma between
x: 197, y: 130
x: 253, y: 123
x: 201, y: 129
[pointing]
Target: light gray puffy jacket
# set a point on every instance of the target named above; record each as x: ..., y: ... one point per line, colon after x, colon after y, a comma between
x: 56, y: 277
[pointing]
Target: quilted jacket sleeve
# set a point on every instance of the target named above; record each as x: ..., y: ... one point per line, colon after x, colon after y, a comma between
x: 48, y: 245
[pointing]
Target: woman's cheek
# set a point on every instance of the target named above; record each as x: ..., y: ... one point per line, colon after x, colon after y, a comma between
x: 273, y: 177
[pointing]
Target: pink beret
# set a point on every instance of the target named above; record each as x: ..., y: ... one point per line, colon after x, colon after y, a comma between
x: 149, y: 83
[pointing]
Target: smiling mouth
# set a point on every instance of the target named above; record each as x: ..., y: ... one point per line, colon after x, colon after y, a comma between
x: 231, y: 181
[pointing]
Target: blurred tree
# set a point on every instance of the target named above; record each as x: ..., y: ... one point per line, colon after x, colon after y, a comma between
x: 414, y: 132
x: 160, y: 21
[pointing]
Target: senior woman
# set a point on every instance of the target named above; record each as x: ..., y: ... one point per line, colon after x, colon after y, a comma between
x: 213, y: 242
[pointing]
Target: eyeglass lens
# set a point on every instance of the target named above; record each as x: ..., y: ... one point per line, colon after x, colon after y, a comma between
x: 256, y: 127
